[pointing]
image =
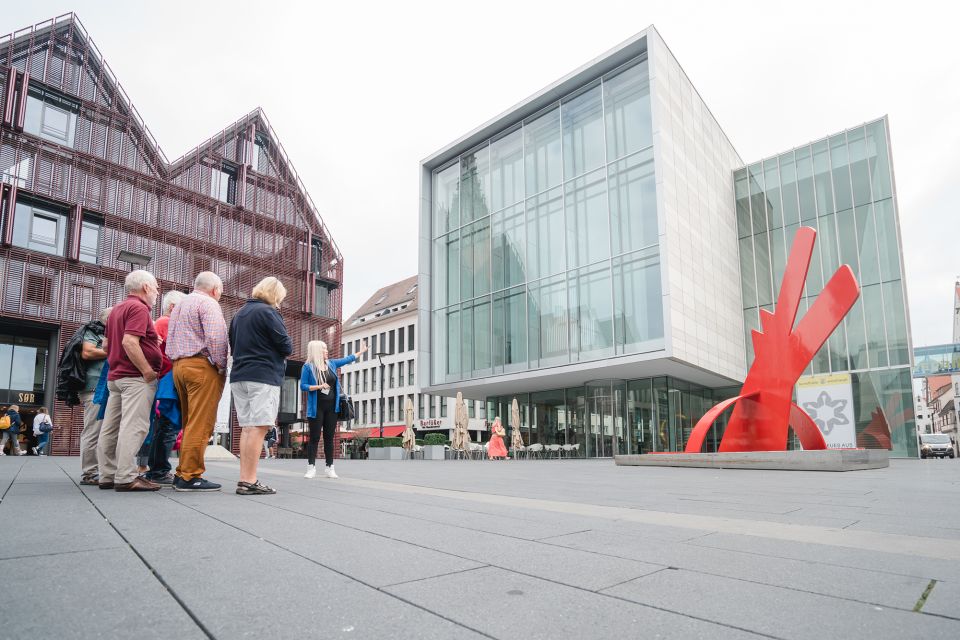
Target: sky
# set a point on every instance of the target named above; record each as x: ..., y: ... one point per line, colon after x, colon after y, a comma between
x: 359, y: 93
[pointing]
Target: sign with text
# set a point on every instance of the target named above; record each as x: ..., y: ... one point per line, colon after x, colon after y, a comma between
x: 828, y: 399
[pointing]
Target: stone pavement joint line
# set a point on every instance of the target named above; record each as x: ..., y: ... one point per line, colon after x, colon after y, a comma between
x: 329, y: 568
x: 857, y: 539
x: 186, y: 609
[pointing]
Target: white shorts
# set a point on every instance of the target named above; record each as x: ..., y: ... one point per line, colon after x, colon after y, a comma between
x: 256, y: 403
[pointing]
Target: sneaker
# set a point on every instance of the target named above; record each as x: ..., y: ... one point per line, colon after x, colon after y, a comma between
x: 90, y: 480
x: 166, y: 481
x: 331, y: 473
x: 33, y: 450
x: 254, y: 489
x: 311, y: 471
x: 197, y: 484
x: 21, y: 452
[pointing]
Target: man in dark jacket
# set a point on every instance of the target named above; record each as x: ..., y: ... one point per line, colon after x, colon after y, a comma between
x: 13, y: 413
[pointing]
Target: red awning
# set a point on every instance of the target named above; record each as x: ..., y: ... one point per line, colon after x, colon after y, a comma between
x: 373, y: 432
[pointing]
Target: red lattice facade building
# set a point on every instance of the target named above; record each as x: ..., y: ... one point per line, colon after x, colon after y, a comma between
x: 87, y: 195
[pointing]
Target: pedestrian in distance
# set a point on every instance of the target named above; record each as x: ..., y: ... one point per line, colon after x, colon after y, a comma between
x: 197, y: 345
x: 260, y: 345
x: 42, y: 428
x: 318, y: 377
x: 10, y: 424
x: 269, y: 441
x: 495, y: 448
x: 134, y: 360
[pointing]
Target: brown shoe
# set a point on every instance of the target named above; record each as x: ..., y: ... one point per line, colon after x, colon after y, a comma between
x: 106, y: 485
x: 89, y: 480
x: 140, y: 484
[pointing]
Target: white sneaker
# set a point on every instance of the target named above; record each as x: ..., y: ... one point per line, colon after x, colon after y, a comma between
x: 311, y: 471
x: 21, y: 452
x: 331, y: 473
x: 2, y: 453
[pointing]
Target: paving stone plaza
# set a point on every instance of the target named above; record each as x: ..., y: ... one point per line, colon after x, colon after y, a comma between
x: 465, y: 549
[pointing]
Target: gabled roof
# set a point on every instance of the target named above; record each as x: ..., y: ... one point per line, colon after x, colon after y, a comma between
x: 380, y: 306
x: 166, y: 169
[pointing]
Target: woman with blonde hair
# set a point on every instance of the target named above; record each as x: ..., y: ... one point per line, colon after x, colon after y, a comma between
x: 495, y: 448
x: 260, y: 345
x: 318, y: 378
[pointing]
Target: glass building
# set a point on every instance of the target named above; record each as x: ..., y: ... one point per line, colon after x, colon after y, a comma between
x: 594, y: 252
x: 843, y: 187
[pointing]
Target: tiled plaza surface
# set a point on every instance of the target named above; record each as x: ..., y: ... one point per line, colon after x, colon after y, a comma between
x: 466, y: 549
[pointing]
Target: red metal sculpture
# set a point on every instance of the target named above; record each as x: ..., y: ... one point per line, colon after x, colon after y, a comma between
x: 764, y: 409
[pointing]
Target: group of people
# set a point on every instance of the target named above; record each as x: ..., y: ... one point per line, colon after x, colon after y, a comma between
x: 12, y: 426
x: 147, y: 381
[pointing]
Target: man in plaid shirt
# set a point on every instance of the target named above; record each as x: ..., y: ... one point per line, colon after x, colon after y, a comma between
x: 197, y: 345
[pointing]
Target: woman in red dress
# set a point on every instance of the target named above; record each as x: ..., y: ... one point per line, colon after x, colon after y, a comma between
x: 496, y: 448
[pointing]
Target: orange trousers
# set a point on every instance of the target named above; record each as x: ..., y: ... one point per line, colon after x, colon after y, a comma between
x: 199, y: 388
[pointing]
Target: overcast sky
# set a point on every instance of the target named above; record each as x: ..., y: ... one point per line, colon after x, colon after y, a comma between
x: 359, y: 93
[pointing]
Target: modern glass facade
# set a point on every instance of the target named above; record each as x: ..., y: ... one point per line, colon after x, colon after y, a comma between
x: 614, y: 417
x: 841, y: 186
x: 545, y: 238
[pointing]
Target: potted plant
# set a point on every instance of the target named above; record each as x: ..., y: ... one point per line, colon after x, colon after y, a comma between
x: 386, y: 448
x: 433, y: 446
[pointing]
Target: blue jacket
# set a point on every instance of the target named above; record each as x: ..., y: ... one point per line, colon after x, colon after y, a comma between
x: 102, y: 394
x: 169, y: 402
x: 259, y: 343
x: 307, y: 379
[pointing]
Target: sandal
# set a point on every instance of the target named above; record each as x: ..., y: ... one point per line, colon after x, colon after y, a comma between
x: 254, y: 489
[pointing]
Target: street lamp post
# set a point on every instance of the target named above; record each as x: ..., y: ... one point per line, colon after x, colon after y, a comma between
x: 379, y: 357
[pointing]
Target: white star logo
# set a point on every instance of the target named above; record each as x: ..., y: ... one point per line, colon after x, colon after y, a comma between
x: 826, y: 412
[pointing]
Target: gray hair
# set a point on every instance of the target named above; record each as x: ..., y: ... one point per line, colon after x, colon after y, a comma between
x: 170, y: 300
x: 105, y: 314
x: 207, y: 281
x: 138, y: 279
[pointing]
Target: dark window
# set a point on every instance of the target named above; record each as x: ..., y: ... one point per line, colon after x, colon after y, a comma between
x: 316, y: 256
x: 400, y: 374
x: 356, y: 346
x: 90, y: 232
x: 443, y: 407
x: 383, y: 342
x: 373, y: 344
x: 40, y: 228
x: 365, y: 383
x: 260, y: 147
x: 51, y: 116
x: 391, y: 414
x: 433, y: 406
x: 391, y: 377
x: 321, y: 300
x: 400, y: 342
x: 392, y: 341
x: 410, y: 372
x: 410, y: 338
x: 223, y: 183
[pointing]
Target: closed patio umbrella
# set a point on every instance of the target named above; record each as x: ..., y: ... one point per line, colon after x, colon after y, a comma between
x: 517, y: 440
x: 409, y: 437
x: 461, y: 421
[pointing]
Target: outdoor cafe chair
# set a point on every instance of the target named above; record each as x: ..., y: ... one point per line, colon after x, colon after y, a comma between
x: 567, y: 450
x: 535, y: 449
x: 553, y: 450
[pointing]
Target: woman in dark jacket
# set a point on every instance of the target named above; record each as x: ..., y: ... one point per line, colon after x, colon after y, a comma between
x: 260, y: 345
x: 12, y: 433
x: 319, y: 379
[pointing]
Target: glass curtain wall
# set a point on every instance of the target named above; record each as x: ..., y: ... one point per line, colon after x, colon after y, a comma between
x: 614, y: 417
x: 545, y: 238
x: 843, y: 188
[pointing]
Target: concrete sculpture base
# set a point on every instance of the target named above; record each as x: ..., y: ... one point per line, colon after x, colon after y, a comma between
x: 821, y: 460
x: 217, y: 452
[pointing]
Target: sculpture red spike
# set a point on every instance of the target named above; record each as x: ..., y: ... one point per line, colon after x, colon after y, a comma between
x: 764, y: 410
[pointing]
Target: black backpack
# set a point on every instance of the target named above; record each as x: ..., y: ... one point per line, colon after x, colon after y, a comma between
x: 72, y: 370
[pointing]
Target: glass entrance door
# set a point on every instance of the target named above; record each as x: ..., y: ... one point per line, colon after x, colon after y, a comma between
x: 604, y: 418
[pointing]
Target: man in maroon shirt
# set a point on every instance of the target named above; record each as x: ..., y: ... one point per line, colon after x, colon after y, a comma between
x: 134, y: 357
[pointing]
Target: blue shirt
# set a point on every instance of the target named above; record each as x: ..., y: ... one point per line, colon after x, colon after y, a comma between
x: 308, y: 379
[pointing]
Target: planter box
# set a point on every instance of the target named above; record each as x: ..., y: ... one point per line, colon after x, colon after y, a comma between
x: 386, y: 453
x: 433, y: 452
